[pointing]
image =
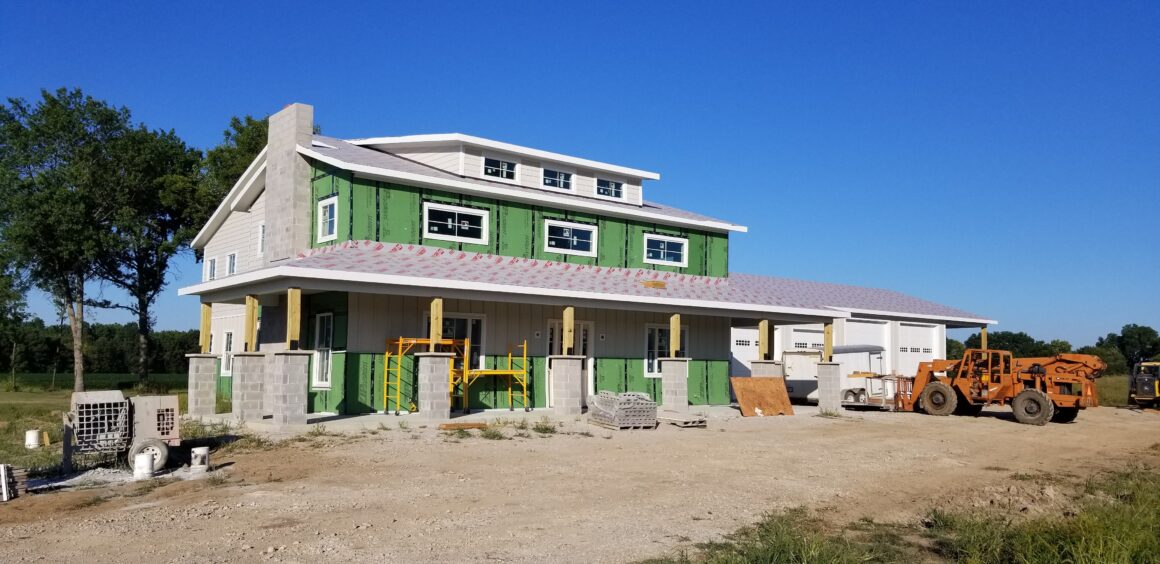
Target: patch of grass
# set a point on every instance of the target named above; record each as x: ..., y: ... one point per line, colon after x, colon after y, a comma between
x: 247, y: 442
x: 521, y: 424
x: 193, y: 429
x: 216, y: 479
x: 90, y: 502
x: 24, y: 411
x: 544, y: 426
x: 1112, y: 391
x: 996, y: 469
x: 829, y: 414
x: 523, y: 434
x: 144, y: 487
x: 384, y: 427
x: 403, y: 425
x: 492, y: 433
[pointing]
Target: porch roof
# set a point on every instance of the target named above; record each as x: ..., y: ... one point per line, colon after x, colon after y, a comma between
x: 432, y: 269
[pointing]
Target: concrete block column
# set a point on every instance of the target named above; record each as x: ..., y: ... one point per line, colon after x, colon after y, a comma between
x: 830, y: 386
x: 288, y: 378
x: 249, y: 371
x: 567, y: 383
x: 434, y: 399
x: 202, y: 384
x: 766, y: 369
x: 674, y: 384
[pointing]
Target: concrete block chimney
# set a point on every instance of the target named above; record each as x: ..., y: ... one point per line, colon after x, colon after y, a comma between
x: 288, y: 195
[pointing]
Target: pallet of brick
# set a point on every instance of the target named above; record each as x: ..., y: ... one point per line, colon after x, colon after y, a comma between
x: 760, y: 397
x: 629, y: 410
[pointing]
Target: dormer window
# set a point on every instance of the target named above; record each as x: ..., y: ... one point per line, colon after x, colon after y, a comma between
x: 499, y: 168
x: 609, y: 189
x: 557, y: 179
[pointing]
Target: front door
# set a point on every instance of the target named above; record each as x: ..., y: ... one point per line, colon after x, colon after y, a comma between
x: 582, y: 346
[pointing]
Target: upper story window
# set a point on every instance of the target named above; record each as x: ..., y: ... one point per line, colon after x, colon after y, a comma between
x: 557, y: 179
x: 499, y: 168
x: 454, y: 223
x: 231, y: 264
x: 211, y: 269
x: 569, y: 238
x: 262, y: 238
x: 671, y: 251
x: 609, y: 189
x: 328, y: 219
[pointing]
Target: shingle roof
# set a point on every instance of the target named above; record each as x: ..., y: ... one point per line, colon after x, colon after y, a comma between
x: 354, y: 154
x: 421, y: 261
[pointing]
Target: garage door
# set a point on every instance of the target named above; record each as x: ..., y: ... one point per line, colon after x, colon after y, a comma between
x: 743, y: 349
x: 806, y: 339
x: 866, y: 332
x: 915, y: 345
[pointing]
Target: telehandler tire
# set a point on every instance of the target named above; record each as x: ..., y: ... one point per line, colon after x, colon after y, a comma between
x: 1065, y: 414
x: 939, y: 399
x: 1032, y: 407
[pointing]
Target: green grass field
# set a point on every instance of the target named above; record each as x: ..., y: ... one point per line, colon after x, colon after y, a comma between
x: 1113, y: 390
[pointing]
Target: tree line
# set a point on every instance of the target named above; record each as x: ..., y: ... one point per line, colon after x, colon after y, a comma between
x: 110, y: 348
x: 1120, y: 351
x: 88, y: 197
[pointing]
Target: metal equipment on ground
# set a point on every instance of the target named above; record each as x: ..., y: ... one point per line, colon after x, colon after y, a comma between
x: 106, y: 422
x: 460, y: 375
x: 1038, y: 389
x: 1144, y: 384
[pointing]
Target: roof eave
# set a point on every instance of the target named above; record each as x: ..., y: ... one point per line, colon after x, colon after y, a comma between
x: 246, y: 181
x: 948, y: 320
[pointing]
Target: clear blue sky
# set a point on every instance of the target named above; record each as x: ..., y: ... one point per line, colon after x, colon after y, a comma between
x: 1000, y: 158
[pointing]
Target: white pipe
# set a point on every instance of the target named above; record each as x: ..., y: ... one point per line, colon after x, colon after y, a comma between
x: 143, y: 466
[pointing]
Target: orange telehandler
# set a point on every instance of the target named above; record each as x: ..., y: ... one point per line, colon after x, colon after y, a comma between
x: 1038, y: 389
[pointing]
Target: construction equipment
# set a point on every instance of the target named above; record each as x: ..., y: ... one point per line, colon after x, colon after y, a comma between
x: 460, y: 375
x: 402, y: 346
x: 107, y: 422
x: 1038, y: 389
x: 1144, y: 384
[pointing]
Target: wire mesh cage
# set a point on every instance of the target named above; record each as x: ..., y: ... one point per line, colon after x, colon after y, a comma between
x: 100, y: 422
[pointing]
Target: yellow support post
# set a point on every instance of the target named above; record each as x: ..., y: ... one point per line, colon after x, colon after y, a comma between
x: 293, y: 318
x: 763, y: 339
x: 828, y: 352
x: 204, y: 337
x: 568, y: 339
x: 675, y: 335
x: 251, y: 337
x: 436, y: 334
x: 983, y: 338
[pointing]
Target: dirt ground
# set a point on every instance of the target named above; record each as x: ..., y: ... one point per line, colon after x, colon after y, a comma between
x: 419, y: 495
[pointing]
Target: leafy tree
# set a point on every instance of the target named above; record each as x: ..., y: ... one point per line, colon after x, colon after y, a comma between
x: 225, y: 164
x: 1057, y: 346
x: 54, y: 200
x: 11, y: 315
x: 1136, y: 343
x: 955, y: 348
x: 1020, y: 344
x: 155, y: 180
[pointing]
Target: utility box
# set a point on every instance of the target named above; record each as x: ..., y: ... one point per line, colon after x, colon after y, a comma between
x: 108, y: 422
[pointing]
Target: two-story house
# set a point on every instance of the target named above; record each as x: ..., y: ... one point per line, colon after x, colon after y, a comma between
x: 335, y: 246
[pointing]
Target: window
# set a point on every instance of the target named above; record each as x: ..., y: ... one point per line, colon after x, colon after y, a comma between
x: 801, y: 345
x: 328, y: 219
x: 569, y: 238
x: 231, y: 264
x: 262, y: 238
x: 926, y: 350
x: 323, y: 341
x: 610, y: 189
x: 659, y: 249
x: 459, y: 326
x: 743, y: 342
x: 453, y: 223
x: 557, y: 179
x: 658, y: 347
x: 499, y: 168
x: 227, y: 348
x: 211, y: 269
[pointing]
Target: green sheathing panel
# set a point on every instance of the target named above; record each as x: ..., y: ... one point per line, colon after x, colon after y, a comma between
x: 611, y: 374
x: 516, y: 226
x: 224, y: 385
x: 336, y: 304
x: 399, y: 213
x: 360, y: 383
x: 331, y: 400
x: 717, y: 256
x: 708, y: 379
x: 364, y: 209
x: 698, y: 383
x: 327, y: 181
x: 717, y: 377
x: 611, y: 243
x: 409, y: 380
x: 491, y: 392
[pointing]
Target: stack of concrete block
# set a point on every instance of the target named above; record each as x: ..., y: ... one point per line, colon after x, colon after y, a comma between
x: 202, y: 384
x: 567, y: 373
x: 675, y: 384
x: 249, y: 373
x: 829, y: 386
x: 288, y: 378
x: 434, y: 399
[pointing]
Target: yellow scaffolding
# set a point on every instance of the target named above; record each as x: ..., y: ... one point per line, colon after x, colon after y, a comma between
x: 462, y: 375
x: 402, y: 346
x: 515, y: 374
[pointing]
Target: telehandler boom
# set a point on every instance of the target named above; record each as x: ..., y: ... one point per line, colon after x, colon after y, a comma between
x: 1038, y: 389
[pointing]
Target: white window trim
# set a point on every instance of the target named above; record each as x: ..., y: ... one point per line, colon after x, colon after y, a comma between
x: 227, y: 353
x: 211, y: 272
x: 570, y: 190
x: 684, y: 252
x: 231, y: 268
x: 484, y: 238
x: 555, y: 222
x: 647, y: 326
x: 261, y: 238
x: 596, y: 189
x: 318, y: 219
x: 317, y: 366
x: 510, y: 159
x: 482, y: 329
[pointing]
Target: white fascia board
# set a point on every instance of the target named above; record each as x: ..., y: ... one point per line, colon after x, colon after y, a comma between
x: 451, y: 138
x: 516, y: 195
x: 223, y: 210
x: 484, y: 287
x: 250, y: 191
x: 971, y: 321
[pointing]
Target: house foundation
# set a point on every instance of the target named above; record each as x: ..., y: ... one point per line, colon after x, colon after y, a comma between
x: 674, y: 384
x: 567, y: 372
x: 202, y: 397
x: 434, y: 398
x: 249, y: 374
x: 288, y: 377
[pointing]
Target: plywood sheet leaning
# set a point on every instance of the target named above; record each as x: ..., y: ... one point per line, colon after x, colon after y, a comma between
x: 761, y: 396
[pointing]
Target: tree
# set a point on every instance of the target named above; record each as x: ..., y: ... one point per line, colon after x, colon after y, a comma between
x: 54, y: 201
x: 1136, y: 343
x: 155, y: 198
x: 225, y: 164
x: 1110, y: 355
x: 11, y: 315
x: 955, y: 348
x: 1020, y: 344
